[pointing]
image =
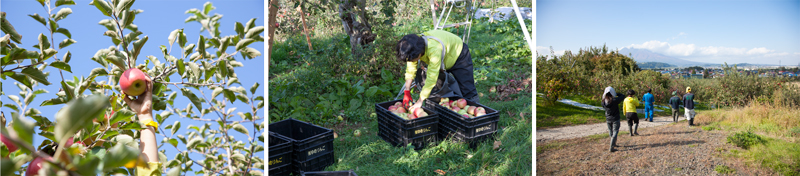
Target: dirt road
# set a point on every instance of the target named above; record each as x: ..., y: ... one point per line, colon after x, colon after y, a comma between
x: 577, y: 131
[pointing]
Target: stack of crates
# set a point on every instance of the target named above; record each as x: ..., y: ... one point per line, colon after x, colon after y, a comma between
x: 470, y: 130
x: 329, y: 173
x: 280, y: 154
x: 312, y: 145
x: 419, y: 132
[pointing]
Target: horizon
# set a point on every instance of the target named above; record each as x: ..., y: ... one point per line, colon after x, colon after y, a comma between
x: 754, y: 32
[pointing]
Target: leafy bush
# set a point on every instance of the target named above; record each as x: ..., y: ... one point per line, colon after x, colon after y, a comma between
x: 745, y: 139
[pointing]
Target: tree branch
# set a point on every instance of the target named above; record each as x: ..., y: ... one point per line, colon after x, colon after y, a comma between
x: 185, y: 83
x: 26, y: 66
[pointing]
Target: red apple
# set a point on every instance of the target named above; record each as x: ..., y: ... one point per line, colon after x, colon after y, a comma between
x: 8, y: 143
x: 456, y: 109
x: 465, y: 116
x: 398, y: 104
x: 392, y: 108
x: 471, y: 110
x: 411, y: 116
x: 454, y: 104
x: 401, y: 109
x: 461, y: 103
x: 33, y: 168
x: 133, y: 82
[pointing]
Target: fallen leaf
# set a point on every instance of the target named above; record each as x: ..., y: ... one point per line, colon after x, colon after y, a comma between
x: 440, y: 172
x: 497, y: 144
x: 335, y: 135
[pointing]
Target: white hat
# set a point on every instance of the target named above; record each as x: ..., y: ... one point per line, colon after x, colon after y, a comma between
x: 610, y: 89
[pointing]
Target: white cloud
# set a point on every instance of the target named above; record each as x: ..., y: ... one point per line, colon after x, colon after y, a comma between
x: 545, y: 51
x: 715, y: 53
x: 679, y: 34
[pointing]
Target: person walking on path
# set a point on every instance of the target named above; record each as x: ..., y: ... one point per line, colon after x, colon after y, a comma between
x: 629, y: 107
x: 648, y: 105
x: 674, y: 103
x: 611, y: 105
x: 688, y: 105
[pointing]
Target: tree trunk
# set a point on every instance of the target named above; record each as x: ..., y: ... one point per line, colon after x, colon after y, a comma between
x: 273, y: 11
x: 355, y: 21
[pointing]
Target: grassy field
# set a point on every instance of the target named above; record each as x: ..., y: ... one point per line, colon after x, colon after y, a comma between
x: 780, y: 126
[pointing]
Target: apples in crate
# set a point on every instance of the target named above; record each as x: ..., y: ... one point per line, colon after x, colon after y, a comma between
x: 460, y: 106
x: 407, y: 114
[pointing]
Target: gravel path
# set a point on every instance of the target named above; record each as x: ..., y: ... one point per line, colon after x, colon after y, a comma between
x: 674, y: 149
x: 577, y: 131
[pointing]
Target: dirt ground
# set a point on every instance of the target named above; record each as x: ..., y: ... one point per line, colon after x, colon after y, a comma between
x: 673, y: 149
x: 577, y: 131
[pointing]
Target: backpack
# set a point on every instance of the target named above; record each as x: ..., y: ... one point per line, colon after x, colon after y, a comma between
x: 446, y: 85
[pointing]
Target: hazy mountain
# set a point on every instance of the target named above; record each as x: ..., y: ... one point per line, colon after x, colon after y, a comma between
x: 644, y: 55
x: 653, y: 65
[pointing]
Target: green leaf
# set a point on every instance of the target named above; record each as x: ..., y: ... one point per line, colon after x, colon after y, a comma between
x: 77, y: 114
x: 124, y: 5
x: 127, y: 18
x: 239, y: 29
x: 99, y: 71
x: 173, y: 35
x: 250, y: 24
x: 65, y: 2
x: 43, y: 42
x: 6, y: 27
x: 194, y: 68
x: 175, y: 171
x: 36, y: 75
x: 174, y: 142
x: 243, y: 43
x: 243, y: 98
x: 53, y: 25
x: 182, y: 38
x: 67, y: 57
x: 188, y: 49
x: 355, y: 104
x: 119, y: 155
x: 54, y: 101
x: 190, y: 19
x: 137, y: 46
x: 254, y: 32
x: 121, y: 115
x: 117, y: 61
x: 41, y: 2
x: 240, y: 128
x: 38, y: 18
x: 193, y: 142
x: 201, y: 45
x: 133, y: 125
x: 49, y: 52
x: 24, y: 129
x: 216, y: 92
x: 64, y: 31
x: 103, y: 7
x: 223, y: 67
x: 207, y: 7
x: 229, y: 95
x: 254, y: 88
x: 65, y: 43
x: 175, y: 127
x: 251, y: 52
x: 193, y: 98
x: 63, y: 13
x: 181, y: 67
x: 61, y: 65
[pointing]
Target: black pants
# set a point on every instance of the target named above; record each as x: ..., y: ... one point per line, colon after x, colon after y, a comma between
x: 633, y: 118
x: 462, y: 70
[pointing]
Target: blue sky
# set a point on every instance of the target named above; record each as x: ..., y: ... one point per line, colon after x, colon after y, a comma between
x: 764, y: 32
x: 158, y: 19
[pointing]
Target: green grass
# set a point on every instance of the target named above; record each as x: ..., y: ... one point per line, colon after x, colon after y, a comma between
x: 779, y: 155
x: 370, y: 155
x: 722, y: 169
x: 561, y: 114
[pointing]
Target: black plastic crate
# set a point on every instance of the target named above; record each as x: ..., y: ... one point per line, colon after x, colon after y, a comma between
x: 491, y: 114
x: 309, y: 140
x: 467, y: 131
x: 418, y: 142
x: 284, y: 169
x: 473, y: 142
x: 317, y: 163
x: 382, y: 111
x: 329, y: 173
x: 280, y: 154
x: 420, y: 130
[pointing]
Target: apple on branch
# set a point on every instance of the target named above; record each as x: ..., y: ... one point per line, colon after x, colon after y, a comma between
x: 133, y: 82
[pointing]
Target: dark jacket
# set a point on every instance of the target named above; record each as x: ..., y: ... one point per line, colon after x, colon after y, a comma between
x: 675, y: 102
x: 688, y: 101
x: 612, y: 108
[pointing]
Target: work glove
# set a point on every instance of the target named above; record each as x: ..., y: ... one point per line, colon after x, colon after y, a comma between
x: 407, y: 98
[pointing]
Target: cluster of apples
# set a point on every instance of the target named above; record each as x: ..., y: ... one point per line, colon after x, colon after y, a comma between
x: 460, y: 106
x: 409, y: 114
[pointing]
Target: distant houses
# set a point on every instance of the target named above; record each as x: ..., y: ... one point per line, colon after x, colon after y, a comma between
x: 716, y: 72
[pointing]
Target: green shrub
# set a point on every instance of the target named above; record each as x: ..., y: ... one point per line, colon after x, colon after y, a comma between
x: 745, y: 139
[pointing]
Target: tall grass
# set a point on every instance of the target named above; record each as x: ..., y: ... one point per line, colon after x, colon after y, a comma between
x: 762, y: 117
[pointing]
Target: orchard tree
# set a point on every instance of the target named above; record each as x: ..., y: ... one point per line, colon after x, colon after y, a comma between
x: 95, y: 115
